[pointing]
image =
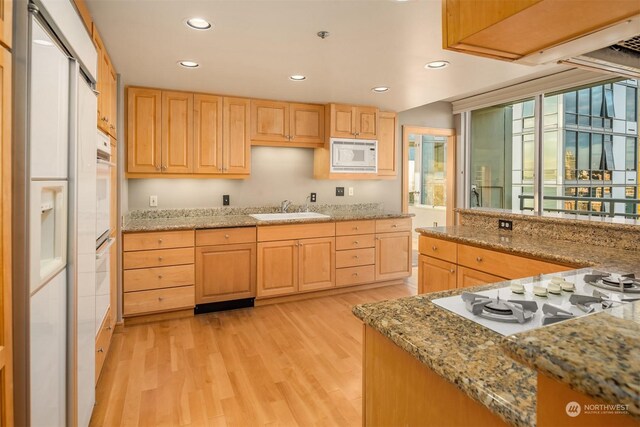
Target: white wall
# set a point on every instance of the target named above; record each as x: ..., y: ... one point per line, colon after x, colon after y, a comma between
x: 283, y: 173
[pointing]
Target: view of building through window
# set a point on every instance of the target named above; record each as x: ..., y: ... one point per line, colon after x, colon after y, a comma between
x: 590, y: 152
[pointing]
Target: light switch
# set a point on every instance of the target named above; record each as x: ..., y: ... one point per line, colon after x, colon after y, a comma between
x: 153, y: 201
x: 351, y: 191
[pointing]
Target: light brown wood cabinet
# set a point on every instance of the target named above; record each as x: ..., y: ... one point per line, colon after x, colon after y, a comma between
x: 495, y: 28
x: 351, y: 121
x: 144, y: 116
x: 106, y: 85
x: 387, y: 144
x: 393, y: 255
x: 158, y: 272
x: 295, y: 258
x: 226, y: 267
x: 6, y: 23
x: 103, y: 342
x: 276, y: 123
x: 355, y: 252
x: 177, y: 132
x: 444, y: 264
x: 183, y: 134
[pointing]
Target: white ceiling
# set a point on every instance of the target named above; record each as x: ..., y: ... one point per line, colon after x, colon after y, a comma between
x: 256, y: 44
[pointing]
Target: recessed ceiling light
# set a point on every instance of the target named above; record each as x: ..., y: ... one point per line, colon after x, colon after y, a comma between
x: 188, y: 64
x: 198, y: 23
x: 43, y: 42
x: 380, y: 89
x: 436, y: 65
x: 297, y: 77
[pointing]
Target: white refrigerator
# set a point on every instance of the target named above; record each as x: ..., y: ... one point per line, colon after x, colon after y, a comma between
x: 61, y: 147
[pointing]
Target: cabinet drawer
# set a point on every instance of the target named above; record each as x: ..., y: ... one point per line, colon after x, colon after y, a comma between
x: 504, y: 265
x: 347, y: 228
x: 355, y: 242
x: 355, y: 257
x: 157, y: 240
x: 157, y: 300
x: 438, y: 248
x: 393, y: 225
x: 159, y: 258
x: 225, y: 236
x: 103, y: 340
x: 157, y: 278
x: 298, y: 231
x: 468, y: 277
x: 355, y: 275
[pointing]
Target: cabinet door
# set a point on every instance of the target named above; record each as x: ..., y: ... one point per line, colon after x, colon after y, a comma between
x: 343, y: 121
x: 269, y: 121
x: 113, y: 100
x: 225, y: 272
x: 6, y: 342
x: 113, y: 284
x: 207, y: 123
x: 387, y: 159
x: 468, y: 277
x: 237, y: 144
x: 435, y: 275
x: 277, y: 268
x: 317, y: 264
x: 393, y: 255
x: 177, y: 132
x: 6, y: 22
x: 143, y: 130
x: 366, y: 122
x: 101, y: 81
x: 307, y: 123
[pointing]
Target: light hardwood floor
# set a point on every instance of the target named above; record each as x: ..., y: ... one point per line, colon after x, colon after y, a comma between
x: 297, y: 363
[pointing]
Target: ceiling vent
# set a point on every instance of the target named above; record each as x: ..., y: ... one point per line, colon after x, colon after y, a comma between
x: 622, y: 58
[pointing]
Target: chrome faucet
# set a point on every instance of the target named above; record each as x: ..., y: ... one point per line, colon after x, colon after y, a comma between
x: 285, y: 205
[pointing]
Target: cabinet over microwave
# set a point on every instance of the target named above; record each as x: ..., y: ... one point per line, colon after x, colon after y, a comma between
x: 354, y: 155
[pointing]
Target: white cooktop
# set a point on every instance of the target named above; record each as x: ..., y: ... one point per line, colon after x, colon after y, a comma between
x: 456, y: 305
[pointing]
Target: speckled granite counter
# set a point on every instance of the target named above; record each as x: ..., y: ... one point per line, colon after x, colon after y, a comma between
x: 188, y: 219
x: 598, y: 355
x: 478, y: 361
x: 561, y: 251
x: 463, y: 352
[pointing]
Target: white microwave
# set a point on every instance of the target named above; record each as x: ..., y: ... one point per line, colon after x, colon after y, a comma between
x: 354, y: 155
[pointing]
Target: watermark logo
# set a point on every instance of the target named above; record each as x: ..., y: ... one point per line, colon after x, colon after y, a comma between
x: 573, y: 409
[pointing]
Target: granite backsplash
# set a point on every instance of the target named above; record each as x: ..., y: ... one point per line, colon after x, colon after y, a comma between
x: 599, y: 233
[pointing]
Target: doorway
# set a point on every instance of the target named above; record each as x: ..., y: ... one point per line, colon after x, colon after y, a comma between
x: 428, y: 178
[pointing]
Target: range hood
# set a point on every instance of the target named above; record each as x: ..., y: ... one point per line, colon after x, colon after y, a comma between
x: 612, y: 50
x: 622, y: 58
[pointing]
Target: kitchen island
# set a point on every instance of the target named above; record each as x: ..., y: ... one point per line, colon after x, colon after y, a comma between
x: 464, y: 374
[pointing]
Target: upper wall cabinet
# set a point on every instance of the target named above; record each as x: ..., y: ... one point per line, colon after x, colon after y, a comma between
x: 221, y: 131
x: 287, y: 124
x: 177, y: 132
x: 349, y: 121
x: 144, y: 109
x: 6, y: 22
x: 183, y: 134
x: 511, y: 29
x: 107, y: 88
x: 387, y: 152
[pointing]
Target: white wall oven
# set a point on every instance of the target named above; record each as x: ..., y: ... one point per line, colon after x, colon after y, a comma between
x: 103, y: 188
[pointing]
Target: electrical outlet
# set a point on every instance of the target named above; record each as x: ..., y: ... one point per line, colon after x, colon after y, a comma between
x: 225, y: 200
x: 351, y: 191
x: 340, y: 191
x: 153, y: 201
x: 505, y: 224
x: 313, y: 198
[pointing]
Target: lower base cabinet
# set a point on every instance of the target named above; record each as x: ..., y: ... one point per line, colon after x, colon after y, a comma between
x: 435, y: 275
x: 468, y: 277
x: 225, y: 272
x: 317, y: 259
x: 393, y: 255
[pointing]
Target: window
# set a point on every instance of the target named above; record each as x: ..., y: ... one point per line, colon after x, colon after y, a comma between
x: 588, y: 167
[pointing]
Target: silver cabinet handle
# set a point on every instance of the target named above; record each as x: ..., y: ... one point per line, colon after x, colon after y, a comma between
x: 435, y: 248
x: 355, y: 274
x: 452, y: 271
x: 159, y: 241
x: 160, y: 258
x: 356, y: 256
x: 157, y: 168
x: 394, y: 226
x: 100, y: 350
x: 356, y: 243
x: 479, y: 259
x: 226, y: 236
x: 160, y: 299
x: 355, y: 228
x: 160, y: 276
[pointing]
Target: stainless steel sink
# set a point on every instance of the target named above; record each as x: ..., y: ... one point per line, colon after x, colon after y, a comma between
x: 287, y: 215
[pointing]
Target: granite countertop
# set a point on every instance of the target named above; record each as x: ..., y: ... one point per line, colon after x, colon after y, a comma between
x: 563, y: 251
x: 479, y: 361
x: 243, y: 220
